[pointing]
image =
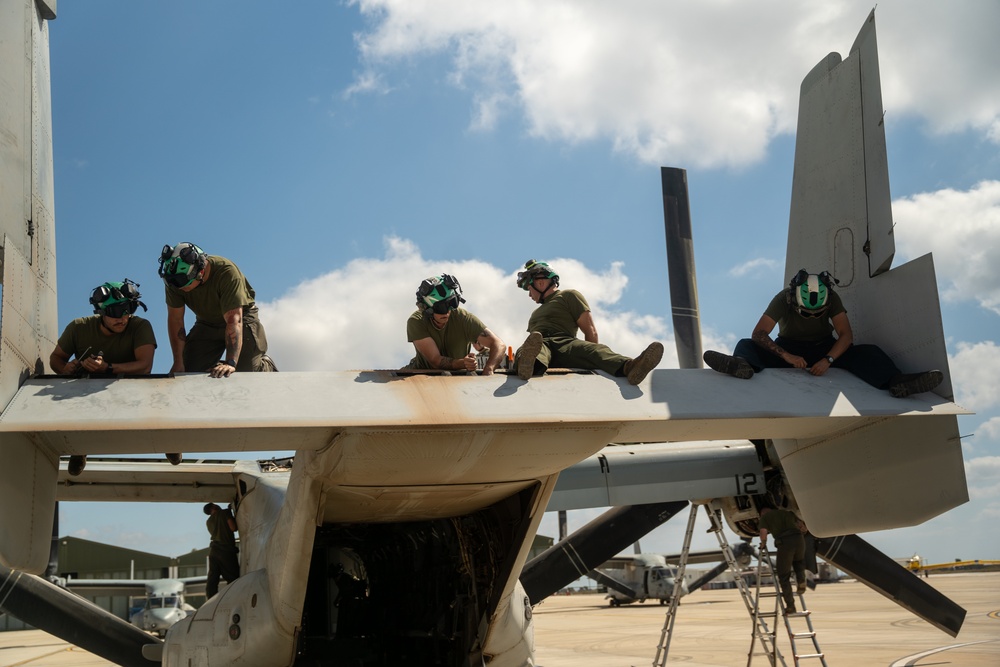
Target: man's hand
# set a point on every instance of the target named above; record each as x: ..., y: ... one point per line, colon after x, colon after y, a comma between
x: 222, y: 370
x: 820, y: 367
x: 470, y: 361
x: 93, y: 364
x: 795, y: 360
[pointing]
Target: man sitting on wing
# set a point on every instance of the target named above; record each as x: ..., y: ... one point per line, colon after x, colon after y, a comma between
x: 807, y: 314
x: 554, y: 325
x: 442, y: 333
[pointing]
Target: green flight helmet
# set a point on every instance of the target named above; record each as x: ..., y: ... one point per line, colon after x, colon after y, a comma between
x: 181, y: 264
x: 534, y: 270
x: 439, y: 294
x: 116, y: 299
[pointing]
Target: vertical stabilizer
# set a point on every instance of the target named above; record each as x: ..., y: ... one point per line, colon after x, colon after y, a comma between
x: 28, y: 318
x: 841, y: 213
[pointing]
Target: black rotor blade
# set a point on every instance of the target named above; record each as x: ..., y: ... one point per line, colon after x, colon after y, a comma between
x: 72, y: 619
x: 588, y: 547
x: 612, y: 583
x: 867, y: 564
x: 680, y: 267
x: 743, y: 553
x: 707, y: 577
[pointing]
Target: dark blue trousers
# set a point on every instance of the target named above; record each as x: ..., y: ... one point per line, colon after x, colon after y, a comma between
x: 868, y: 362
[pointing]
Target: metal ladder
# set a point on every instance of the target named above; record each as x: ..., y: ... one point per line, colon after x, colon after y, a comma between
x: 663, y: 647
x: 762, y: 633
x: 809, y: 633
x: 766, y: 568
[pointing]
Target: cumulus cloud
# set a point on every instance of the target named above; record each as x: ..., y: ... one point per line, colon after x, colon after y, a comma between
x: 976, y: 369
x: 354, y: 317
x: 754, y: 266
x: 962, y: 228
x: 983, y: 477
x: 705, y: 84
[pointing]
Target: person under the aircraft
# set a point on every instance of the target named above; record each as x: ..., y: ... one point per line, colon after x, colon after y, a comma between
x: 807, y: 313
x: 443, y: 334
x: 223, y: 554
x: 553, y: 326
x: 789, y: 541
x: 111, y: 342
x: 227, y: 336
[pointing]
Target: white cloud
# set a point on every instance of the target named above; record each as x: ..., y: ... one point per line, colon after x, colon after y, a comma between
x: 976, y: 369
x: 990, y: 429
x: 963, y: 231
x: 983, y: 477
x: 754, y: 266
x: 705, y: 84
x: 354, y: 317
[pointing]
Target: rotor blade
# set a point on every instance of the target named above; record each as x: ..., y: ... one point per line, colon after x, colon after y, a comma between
x: 707, y: 577
x: 867, y: 564
x: 588, y: 547
x: 742, y: 552
x: 72, y: 619
x: 680, y: 267
x: 609, y: 581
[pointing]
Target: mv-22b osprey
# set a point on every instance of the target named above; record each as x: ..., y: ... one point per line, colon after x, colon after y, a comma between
x: 400, y: 533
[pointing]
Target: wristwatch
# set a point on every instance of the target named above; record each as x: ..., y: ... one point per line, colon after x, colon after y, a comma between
x: 111, y: 368
x: 829, y: 358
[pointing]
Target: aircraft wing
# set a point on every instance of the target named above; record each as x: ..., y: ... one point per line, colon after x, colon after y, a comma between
x: 149, y: 480
x: 396, y: 434
x: 304, y: 411
x: 95, y: 587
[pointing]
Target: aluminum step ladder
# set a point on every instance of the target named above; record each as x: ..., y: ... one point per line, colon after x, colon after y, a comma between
x: 754, y: 596
x: 799, y: 635
x: 663, y: 647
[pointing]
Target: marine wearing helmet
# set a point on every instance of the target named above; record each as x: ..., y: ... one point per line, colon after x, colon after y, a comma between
x: 443, y: 334
x: 814, y: 333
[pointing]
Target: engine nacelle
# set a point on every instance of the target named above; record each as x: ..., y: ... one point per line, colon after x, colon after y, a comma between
x: 236, y: 627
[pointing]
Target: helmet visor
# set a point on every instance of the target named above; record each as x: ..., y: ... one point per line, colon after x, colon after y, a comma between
x: 445, y: 305
x: 121, y: 309
x: 178, y: 280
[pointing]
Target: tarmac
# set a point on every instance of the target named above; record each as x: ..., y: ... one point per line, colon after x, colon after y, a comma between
x: 855, y: 626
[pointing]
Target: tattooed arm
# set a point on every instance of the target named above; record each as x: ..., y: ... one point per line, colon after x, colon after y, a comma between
x: 762, y: 337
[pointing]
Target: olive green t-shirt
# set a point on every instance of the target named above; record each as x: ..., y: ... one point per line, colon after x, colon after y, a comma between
x: 85, y: 334
x: 218, y: 528
x: 779, y: 522
x: 225, y: 289
x: 454, y: 340
x: 558, y: 313
x: 793, y: 326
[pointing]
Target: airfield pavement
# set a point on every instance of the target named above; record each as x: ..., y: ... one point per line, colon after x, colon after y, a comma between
x: 856, y: 627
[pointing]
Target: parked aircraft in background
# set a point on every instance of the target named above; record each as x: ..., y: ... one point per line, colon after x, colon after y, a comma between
x: 640, y: 577
x: 165, y: 600
x: 400, y: 533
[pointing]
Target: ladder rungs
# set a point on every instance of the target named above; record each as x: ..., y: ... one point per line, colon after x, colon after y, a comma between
x: 806, y: 656
x: 803, y: 635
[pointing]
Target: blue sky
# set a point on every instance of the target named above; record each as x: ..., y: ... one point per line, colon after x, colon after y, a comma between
x: 340, y: 152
